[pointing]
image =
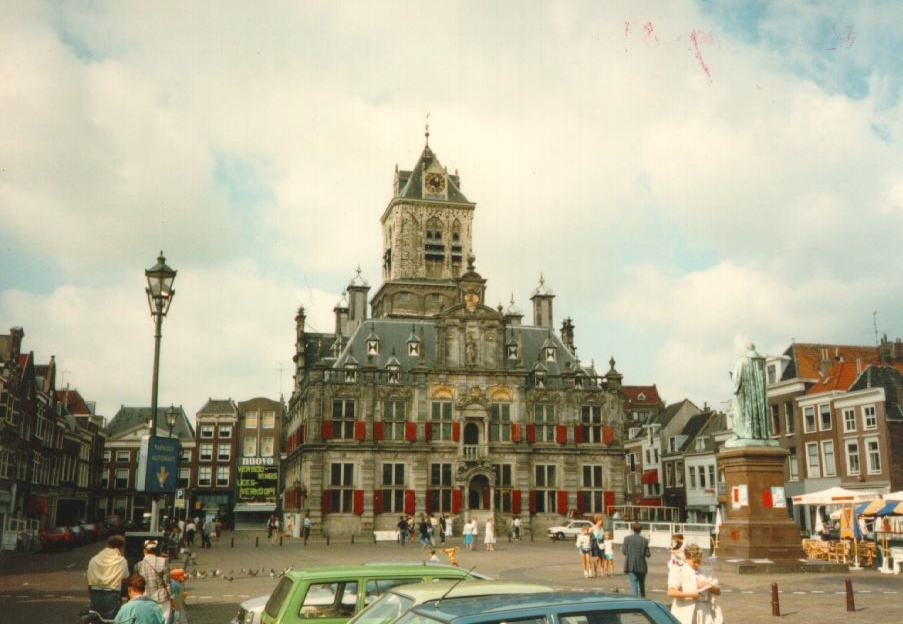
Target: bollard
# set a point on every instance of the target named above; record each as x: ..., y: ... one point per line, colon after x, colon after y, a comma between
x: 851, y: 605
x: 352, y: 538
x: 280, y: 540
x: 232, y: 543
x: 775, y: 601
x: 256, y: 542
x: 531, y: 535
x: 327, y: 539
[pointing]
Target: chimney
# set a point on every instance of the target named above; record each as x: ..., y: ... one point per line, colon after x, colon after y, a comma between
x: 16, y: 335
x: 567, y: 333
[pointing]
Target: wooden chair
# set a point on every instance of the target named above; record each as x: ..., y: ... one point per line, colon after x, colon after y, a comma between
x: 839, y: 552
x: 867, y: 554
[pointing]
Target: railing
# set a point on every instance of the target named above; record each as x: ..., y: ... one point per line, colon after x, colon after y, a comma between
x: 473, y: 452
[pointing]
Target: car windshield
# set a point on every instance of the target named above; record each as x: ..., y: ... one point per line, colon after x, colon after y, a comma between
x: 385, y: 609
x: 274, y: 604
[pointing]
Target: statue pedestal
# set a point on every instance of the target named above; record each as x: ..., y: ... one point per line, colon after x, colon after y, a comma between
x: 758, y: 529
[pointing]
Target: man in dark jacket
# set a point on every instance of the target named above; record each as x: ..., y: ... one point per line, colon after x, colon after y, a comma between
x: 636, y: 551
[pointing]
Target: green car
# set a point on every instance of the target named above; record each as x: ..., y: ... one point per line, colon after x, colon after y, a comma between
x: 334, y: 594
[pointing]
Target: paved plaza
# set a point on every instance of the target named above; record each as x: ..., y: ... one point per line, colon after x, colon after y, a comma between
x: 50, y: 587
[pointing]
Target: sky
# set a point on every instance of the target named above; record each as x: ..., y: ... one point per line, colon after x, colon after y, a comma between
x: 686, y: 176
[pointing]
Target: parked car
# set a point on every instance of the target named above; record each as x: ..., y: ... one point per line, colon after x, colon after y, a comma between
x: 555, y: 608
x: 79, y: 536
x: 94, y: 531
x: 398, y: 600
x: 114, y: 525
x: 568, y: 531
x: 333, y: 594
x: 250, y: 610
x: 58, y: 537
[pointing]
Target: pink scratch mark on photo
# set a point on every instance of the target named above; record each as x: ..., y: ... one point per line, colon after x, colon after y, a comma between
x: 649, y: 29
x: 698, y: 37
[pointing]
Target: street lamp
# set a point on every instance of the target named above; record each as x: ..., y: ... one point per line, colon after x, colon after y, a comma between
x: 159, y: 296
x: 171, y: 417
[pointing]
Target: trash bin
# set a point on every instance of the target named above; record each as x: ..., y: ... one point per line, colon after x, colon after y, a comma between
x: 134, y: 545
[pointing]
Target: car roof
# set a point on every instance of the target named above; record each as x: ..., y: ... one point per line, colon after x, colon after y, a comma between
x: 422, y: 592
x: 378, y: 570
x: 450, y: 610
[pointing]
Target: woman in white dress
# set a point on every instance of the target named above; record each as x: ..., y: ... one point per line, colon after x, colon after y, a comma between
x: 489, y: 535
x: 692, y: 592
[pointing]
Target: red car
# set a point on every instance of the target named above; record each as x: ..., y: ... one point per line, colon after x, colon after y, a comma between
x: 57, y: 537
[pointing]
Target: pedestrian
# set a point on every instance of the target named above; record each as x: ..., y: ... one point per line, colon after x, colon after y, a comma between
x: 467, y: 532
x: 140, y: 609
x: 443, y: 526
x: 305, y: 530
x: 177, y: 576
x: 155, y: 570
x: 204, y: 530
x: 433, y: 555
x: 636, y: 551
x: 677, y: 550
x: 402, y: 530
x: 584, y: 546
x: 271, y: 522
x: 106, y: 572
x: 475, y: 530
x: 515, y: 528
x: 693, y: 593
x: 608, y: 554
x: 276, y: 534
x: 597, y: 535
x: 190, y: 528
x: 217, y: 528
x: 434, y: 529
x: 424, y: 529
x: 489, y: 535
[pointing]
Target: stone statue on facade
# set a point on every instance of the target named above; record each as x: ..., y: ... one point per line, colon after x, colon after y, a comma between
x: 751, y: 423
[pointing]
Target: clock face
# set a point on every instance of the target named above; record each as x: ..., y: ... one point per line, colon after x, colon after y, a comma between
x: 435, y: 183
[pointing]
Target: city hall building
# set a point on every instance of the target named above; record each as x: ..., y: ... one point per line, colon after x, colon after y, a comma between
x: 436, y: 402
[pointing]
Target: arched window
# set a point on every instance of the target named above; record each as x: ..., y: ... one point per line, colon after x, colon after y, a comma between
x: 434, y: 248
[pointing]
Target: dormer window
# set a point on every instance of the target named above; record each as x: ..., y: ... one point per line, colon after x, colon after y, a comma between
x: 393, y: 370
x: 550, y: 354
x: 512, y: 350
x: 578, y: 382
x: 372, y: 343
x: 415, y: 347
x: 540, y: 378
x: 350, y: 374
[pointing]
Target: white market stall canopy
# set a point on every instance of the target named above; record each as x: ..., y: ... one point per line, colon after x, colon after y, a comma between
x: 836, y: 496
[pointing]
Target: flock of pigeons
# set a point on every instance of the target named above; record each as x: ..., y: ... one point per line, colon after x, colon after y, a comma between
x: 212, y: 573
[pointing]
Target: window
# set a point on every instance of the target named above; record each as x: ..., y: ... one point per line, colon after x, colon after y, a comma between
x: 267, y: 446
x: 500, y: 422
x: 545, y: 488
x: 393, y: 420
x: 107, y: 456
x: 849, y: 420
x: 268, y: 420
x: 184, y: 477
x: 251, y: 420
x: 827, y: 453
x: 186, y: 456
x: 809, y: 419
x: 225, y: 431
x: 794, y: 467
x: 869, y: 417
x: 631, y: 462
x: 393, y: 487
x: 813, y: 468
x: 544, y: 421
x: 852, y: 453
x: 824, y: 417
x: 440, y: 492
x: 223, y: 452
x: 711, y: 475
x: 205, y: 475
x: 591, y: 490
x: 250, y: 446
x: 433, y: 248
x: 591, y: 423
x: 872, y: 455
x: 343, y: 419
x: 775, y: 419
x: 122, y: 479
x: 701, y: 470
x: 772, y: 373
x: 336, y: 600
x: 503, y: 483
x: 122, y: 457
x: 442, y: 420
x: 341, y: 483
x: 679, y: 474
x: 789, y: 422
x: 669, y: 475
x: 692, y: 483
x: 205, y: 452
x: 222, y: 476
x: 104, y: 476
x: 207, y: 431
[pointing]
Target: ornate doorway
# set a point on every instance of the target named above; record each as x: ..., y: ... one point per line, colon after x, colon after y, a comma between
x: 478, y: 493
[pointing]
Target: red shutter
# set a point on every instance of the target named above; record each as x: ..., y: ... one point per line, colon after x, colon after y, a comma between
x: 562, y: 502
x: 429, y: 499
x: 409, y: 502
x: 561, y: 434
x: 578, y: 434
x: 456, y: 432
x: 608, y: 434
x: 428, y: 431
x: 378, y: 431
x: 327, y: 502
x: 410, y: 431
x: 360, y: 430
x: 515, y: 433
x: 532, y: 502
x: 357, y: 502
x: 456, y: 501
x: 327, y: 429
x: 515, y: 501
x: 531, y: 433
x: 377, y: 502
x: 608, y: 501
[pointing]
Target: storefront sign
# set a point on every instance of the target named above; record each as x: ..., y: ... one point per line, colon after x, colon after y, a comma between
x: 257, y: 483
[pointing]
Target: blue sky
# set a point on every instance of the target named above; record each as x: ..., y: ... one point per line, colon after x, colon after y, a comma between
x: 687, y: 176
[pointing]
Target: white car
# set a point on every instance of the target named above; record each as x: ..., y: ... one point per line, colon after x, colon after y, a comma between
x: 250, y: 610
x: 570, y: 530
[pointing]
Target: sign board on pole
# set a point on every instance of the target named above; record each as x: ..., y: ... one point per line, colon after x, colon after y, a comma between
x: 158, y: 464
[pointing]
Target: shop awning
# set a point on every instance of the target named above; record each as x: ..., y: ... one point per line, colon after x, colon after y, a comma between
x: 254, y: 507
x: 650, y: 476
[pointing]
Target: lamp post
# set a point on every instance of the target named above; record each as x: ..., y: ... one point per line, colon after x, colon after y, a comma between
x: 171, y: 417
x: 159, y: 296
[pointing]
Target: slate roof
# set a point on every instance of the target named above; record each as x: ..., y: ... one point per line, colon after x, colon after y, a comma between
x: 218, y: 406
x: 410, y: 183
x: 889, y: 377
x: 695, y: 425
x: 806, y: 358
x: 128, y: 418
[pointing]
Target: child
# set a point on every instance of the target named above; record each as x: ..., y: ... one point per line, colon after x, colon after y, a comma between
x: 584, y: 544
x: 177, y: 575
x: 433, y: 555
x: 608, y: 554
x: 452, y: 552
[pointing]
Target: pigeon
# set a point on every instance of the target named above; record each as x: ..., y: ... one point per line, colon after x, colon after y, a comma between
x: 252, y: 572
x: 227, y: 578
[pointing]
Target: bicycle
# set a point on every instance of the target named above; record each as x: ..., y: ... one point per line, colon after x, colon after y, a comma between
x: 91, y: 616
